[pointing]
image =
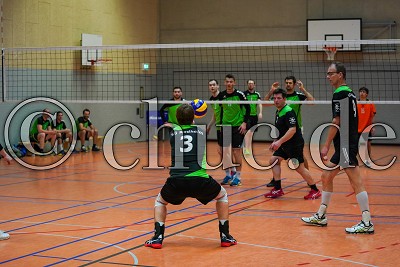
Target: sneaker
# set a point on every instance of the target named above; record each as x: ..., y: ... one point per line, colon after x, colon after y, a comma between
x: 4, y: 236
x: 84, y: 149
x: 361, y: 228
x: 274, y: 193
x: 154, y: 242
x: 227, y: 180
x: 61, y: 153
x: 236, y: 181
x: 95, y: 148
x: 246, y: 151
x: 227, y: 241
x: 316, y: 220
x: 313, y: 194
x: 75, y: 151
x: 272, y: 183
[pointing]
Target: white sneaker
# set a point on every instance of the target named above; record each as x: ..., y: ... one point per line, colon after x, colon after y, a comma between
x: 316, y: 220
x: 84, y: 149
x: 361, y: 228
x: 4, y: 236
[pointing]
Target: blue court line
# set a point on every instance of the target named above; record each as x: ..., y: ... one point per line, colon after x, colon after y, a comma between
x: 108, y: 231
x: 79, y: 205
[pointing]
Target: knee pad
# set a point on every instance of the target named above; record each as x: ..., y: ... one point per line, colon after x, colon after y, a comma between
x: 159, y: 201
x: 222, y: 196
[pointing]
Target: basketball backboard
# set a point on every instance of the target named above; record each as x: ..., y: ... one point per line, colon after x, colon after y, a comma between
x: 91, y: 56
x: 334, y: 30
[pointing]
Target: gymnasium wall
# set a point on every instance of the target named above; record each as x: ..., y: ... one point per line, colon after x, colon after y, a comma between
x: 60, y: 23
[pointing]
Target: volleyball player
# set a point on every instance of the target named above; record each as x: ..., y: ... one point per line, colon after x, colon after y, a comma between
x: 255, y: 115
x: 345, y: 157
x: 236, y: 116
x: 213, y: 87
x: 171, y: 108
x: 42, y: 132
x: 188, y: 148
x: 86, y: 130
x: 63, y: 133
x: 289, y: 145
x: 293, y: 95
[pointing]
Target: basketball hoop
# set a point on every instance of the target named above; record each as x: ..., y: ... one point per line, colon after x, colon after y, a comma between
x: 98, y: 62
x: 330, y: 52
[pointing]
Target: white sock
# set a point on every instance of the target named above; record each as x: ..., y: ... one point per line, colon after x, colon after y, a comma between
x: 60, y: 147
x: 325, y: 200
x: 362, y: 199
x: 222, y: 221
x: 238, y: 174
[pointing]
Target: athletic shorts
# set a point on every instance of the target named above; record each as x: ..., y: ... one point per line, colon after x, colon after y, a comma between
x: 219, y: 137
x: 236, y: 138
x: 351, y: 159
x: 176, y: 190
x: 289, y: 152
x: 253, y: 120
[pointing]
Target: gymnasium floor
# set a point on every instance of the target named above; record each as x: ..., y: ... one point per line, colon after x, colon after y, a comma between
x: 85, y: 212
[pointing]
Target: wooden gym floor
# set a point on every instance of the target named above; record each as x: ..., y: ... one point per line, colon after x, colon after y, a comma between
x: 85, y: 212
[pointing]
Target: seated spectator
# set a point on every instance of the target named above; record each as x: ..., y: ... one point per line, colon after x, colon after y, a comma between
x: 41, y: 131
x: 86, y: 130
x: 63, y: 133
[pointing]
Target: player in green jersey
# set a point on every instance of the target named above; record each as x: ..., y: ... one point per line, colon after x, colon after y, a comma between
x: 188, y: 178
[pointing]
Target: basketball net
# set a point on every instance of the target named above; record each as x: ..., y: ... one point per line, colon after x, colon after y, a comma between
x: 330, y: 52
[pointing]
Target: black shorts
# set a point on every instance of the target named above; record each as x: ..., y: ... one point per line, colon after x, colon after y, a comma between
x: 86, y: 136
x: 253, y: 120
x: 176, y: 190
x: 236, y: 138
x: 219, y: 137
x: 350, y: 156
x: 290, y: 152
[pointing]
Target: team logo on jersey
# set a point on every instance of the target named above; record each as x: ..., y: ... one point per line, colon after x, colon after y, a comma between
x: 337, y: 107
x: 292, y: 120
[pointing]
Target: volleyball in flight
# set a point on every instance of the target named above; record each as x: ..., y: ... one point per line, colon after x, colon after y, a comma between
x: 200, y: 108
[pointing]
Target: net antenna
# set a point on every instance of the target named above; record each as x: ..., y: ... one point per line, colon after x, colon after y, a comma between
x: 330, y: 52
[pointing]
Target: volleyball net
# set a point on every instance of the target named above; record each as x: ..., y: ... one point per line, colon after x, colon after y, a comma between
x: 133, y: 73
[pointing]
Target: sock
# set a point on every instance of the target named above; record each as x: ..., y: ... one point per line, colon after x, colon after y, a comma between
x: 366, y: 217
x: 222, y: 221
x: 228, y: 172
x: 313, y: 187
x: 159, y: 229
x: 238, y: 175
x: 362, y: 199
x: 277, y: 184
x: 322, y: 210
x: 224, y: 228
x: 60, y: 147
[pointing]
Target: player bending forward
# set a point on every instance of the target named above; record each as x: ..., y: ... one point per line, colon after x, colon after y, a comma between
x: 188, y: 178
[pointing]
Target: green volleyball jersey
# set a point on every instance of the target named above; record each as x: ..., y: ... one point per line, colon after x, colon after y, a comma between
x: 217, y: 111
x: 171, y: 109
x: 297, y: 96
x: 188, y: 152
x: 39, y: 121
x: 233, y: 114
x: 252, y: 97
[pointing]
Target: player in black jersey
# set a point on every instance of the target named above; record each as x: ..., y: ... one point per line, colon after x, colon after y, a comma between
x: 344, y: 110
x: 188, y: 178
x: 288, y: 145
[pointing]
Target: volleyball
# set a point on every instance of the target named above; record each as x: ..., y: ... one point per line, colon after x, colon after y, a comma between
x: 199, y: 107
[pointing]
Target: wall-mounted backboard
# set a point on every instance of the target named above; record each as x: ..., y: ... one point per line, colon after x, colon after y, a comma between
x: 334, y: 30
x: 91, y: 57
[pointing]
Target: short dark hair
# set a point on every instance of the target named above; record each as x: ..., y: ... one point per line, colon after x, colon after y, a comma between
x: 85, y: 111
x: 59, y: 112
x: 364, y: 89
x: 230, y: 76
x: 278, y: 91
x: 340, y: 68
x: 251, y: 80
x: 177, y: 87
x: 185, y: 114
x: 211, y: 80
x: 291, y: 77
